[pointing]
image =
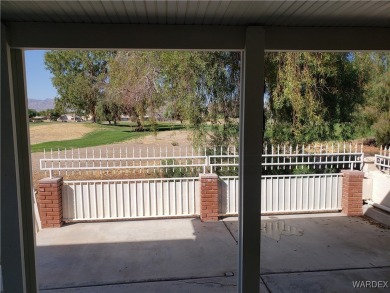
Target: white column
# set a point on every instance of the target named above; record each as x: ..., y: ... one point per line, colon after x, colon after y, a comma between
x: 17, y: 234
x: 251, y: 140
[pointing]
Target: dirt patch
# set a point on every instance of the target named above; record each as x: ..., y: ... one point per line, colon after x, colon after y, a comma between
x: 57, y: 132
x: 173, y: 138
x: 375, y: 223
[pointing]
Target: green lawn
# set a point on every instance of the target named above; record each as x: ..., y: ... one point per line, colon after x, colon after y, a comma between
x: 102, y: 135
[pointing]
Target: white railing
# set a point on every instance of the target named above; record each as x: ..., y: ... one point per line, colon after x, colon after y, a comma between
x: 288, y: 193
x: 279, y: 157
x: 286, y: 157
x: 99, y: 159
x: 382, y: 161
x: 130, y: 199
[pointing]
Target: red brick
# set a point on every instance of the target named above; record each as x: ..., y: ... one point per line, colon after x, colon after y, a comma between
x: 46, y: 201
x: 46, y: 218
x: 44, y: 193
x: 42, y: 185
x: 44, y: 209
x: 57, y: 221
x: 52, y: 197
x: 52, y: 213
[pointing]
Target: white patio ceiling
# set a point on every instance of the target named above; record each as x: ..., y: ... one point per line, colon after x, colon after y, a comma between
x: 264, y: 13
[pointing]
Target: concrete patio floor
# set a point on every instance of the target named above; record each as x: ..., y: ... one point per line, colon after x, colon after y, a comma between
x: 299, y: 253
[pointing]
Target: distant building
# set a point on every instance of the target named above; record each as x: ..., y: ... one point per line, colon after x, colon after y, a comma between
x: 38, y: 119
x: 69, y: 118
x: 125, y: 117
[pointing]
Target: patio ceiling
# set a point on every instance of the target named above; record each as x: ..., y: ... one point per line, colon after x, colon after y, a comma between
x: 249, y: 26
x: 263, y: 13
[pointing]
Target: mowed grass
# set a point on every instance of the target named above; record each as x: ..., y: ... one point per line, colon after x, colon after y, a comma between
x: 103, y: 134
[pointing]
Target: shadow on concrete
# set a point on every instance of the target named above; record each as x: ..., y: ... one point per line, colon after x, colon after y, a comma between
x: 97, y: 254
x: 299, y: 253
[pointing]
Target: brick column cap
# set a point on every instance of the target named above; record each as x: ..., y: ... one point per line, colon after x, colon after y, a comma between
x: 50, y: 180
x: 208, y: 176
x: 355, y: 173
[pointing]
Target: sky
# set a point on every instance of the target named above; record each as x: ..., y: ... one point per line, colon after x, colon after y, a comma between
x: 38, y: 79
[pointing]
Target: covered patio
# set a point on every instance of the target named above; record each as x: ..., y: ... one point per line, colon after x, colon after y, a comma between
x: 251, y: 27
x: 300, y: 253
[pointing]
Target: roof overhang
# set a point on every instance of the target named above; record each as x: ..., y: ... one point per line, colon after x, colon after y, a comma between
x: 201, y: 25
x: 276, y: 13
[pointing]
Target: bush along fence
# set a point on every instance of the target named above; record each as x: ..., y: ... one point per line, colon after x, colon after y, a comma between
x: 203, y: 183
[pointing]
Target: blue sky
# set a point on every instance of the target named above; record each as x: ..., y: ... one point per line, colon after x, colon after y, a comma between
x: 38, y: 79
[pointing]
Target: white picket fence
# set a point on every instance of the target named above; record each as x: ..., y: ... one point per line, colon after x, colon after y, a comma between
x: 287, y: 193
x: 130, y: 199
x: 382, y: 161
x: 201, y: 160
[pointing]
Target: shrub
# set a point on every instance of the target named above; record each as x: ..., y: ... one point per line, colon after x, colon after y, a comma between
x: 382, y: 130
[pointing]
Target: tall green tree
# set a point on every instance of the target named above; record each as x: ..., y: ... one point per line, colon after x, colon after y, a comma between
x: 181, y: 85
x: 79, y: 77
x: 374, y: 114
x: 134, y: 85
x: 202, y: 88
x: 309, y: 93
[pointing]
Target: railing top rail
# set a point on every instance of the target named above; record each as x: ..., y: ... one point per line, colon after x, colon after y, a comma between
x: 132, y: 180
x: 122, y: 158
x: 294, y: 155
x: 291, y: 175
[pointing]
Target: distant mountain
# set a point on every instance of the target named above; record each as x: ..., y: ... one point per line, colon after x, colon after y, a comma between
x: 41, y: 105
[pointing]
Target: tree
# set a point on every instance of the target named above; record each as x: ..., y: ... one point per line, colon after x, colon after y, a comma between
x: 374, y: 114
x: 223, y: 84
x: 32, y: 113
x: 79, y: 77
x: 309, y: 93
x: 133, y: 85
x: 203, y: 87
x: 51, y: 114
x: 108, y: 110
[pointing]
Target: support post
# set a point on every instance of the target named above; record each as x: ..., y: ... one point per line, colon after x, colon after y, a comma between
x: 352, y: 197
x: 17, y: 237
x: 251, y: 145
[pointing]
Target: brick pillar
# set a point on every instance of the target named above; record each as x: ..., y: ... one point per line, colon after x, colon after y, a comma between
x: 209, y: 197
x: 50, y: 202
x: 352, y: 198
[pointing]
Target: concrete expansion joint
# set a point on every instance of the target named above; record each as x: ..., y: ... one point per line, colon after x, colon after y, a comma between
x: 230, y: 232
x: 213, y: 283
x: 188, y: 280
x: 324, y: 270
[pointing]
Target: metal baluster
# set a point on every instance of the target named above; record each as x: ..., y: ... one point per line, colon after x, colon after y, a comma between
x: 66, y: 163
x: 100, y: 161
x: 59, y: 161
x: 52, y: 163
